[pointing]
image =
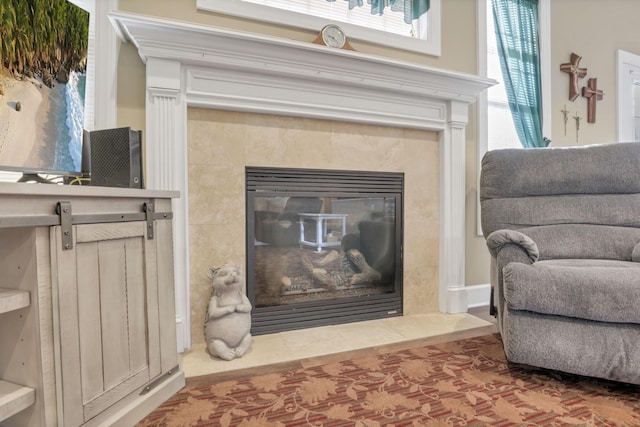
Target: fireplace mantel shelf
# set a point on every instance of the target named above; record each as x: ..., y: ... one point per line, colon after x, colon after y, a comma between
x: 204, y: 66
x: 206, y: 46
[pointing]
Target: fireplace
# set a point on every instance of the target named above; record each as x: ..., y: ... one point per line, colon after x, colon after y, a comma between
x: 323, y: 247
x: 191, y: 67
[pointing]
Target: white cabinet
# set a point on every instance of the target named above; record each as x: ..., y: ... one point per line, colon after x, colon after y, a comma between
x: 87, y: 309
x: 20, y: 363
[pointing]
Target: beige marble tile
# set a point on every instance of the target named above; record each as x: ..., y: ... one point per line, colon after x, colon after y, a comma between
x: 420, y: 294
x: 216, y: 195
x: 303, y: 133
x: 366, y: 147
x: 217, y: 141
x: 212, y: 251
x: 297, y: 345
x: 200, y: 294
x: 222, y: 143
x: 213, y: 245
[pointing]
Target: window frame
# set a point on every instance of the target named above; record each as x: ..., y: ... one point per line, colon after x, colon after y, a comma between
x: 100, y: 99
x: 627, y: 66
x: 263, y: 13
x: 544, y: 32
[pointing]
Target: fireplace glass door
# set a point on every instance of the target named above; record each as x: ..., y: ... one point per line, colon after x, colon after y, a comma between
x: 324, y: 247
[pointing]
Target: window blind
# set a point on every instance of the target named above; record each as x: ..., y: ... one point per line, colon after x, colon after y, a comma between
x: 392, y: 22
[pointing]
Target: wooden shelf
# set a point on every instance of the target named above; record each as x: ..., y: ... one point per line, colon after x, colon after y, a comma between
x: 14, y: 398
x: 11, y: 299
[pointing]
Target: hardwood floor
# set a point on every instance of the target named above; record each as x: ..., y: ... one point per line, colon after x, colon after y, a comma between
x: 480, y: 312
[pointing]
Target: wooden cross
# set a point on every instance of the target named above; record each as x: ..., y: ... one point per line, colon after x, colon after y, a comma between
x: 573, y: 69
x: 593, y: 94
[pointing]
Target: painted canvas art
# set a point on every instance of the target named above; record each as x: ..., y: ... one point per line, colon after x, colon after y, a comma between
x: 43, y: 59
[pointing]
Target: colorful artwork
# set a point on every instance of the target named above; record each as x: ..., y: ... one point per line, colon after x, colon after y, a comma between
x: 43, y: 60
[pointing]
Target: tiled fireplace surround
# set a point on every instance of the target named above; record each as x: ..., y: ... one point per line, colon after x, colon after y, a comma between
x: 219, y: 100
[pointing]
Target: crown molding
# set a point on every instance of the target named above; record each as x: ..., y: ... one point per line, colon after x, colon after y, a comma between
x: 217, y: 48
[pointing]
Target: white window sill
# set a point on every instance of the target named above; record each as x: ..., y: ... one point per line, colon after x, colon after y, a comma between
x: 430, y: 46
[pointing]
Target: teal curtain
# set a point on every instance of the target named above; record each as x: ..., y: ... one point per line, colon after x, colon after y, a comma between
x: 412, y: 9
x: 516, y: 23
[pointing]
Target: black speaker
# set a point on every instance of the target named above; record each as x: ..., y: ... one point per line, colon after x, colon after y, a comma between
x: 112, y: 157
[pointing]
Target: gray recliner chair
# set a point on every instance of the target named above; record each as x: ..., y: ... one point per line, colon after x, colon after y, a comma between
x: 563, y: 229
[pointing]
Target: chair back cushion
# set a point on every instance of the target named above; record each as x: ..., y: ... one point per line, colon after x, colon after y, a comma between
x: 303, y: 205
x: 584, y: 241
x: 596, y: 185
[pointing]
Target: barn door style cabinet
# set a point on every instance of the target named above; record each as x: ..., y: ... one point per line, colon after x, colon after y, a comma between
x: 87, y: 305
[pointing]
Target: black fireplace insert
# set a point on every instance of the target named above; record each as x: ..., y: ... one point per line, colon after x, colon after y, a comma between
x: 323, y: 247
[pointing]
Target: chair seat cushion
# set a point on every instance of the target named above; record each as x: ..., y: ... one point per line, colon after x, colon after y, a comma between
x: 593, y: 289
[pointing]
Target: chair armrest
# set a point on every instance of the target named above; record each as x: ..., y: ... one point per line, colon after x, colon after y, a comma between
x: 635, y: 255
x: 265, y: 215
x: 507, y: 246
x: 499, y: 239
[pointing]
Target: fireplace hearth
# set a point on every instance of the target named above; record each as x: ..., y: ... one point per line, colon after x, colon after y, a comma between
x: 323, y: 247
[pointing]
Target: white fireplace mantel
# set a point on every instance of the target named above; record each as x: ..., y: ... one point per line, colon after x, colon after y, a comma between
x: 204, y: 66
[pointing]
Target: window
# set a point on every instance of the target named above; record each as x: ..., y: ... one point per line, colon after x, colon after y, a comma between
x: 628, y: 86
x: 101, y: 52
x: 389, y: 29
x: 391, y: 22
x: 500, y: 130
x: 495, y: 125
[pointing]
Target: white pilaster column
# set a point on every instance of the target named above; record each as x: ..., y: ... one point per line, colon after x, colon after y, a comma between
x: 452, y: 210
x: 166, y: 169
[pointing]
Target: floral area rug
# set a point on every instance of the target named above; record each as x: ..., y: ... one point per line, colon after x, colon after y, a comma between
x: 461, y: 383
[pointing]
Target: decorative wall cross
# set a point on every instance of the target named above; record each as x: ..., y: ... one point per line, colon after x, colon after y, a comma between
x: 577, y: 118
x: 593, y: 94
x: 573, y: 69
x: 565, y: 115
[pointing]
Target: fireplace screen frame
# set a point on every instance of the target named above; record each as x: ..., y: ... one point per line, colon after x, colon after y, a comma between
x: 290, y: 182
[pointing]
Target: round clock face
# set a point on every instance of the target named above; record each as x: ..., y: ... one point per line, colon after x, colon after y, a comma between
x: 333, y: 36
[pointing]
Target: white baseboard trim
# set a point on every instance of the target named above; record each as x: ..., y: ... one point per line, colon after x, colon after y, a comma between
x: 478, y: 295
x: 180, y: 334
x: 456, y: 300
